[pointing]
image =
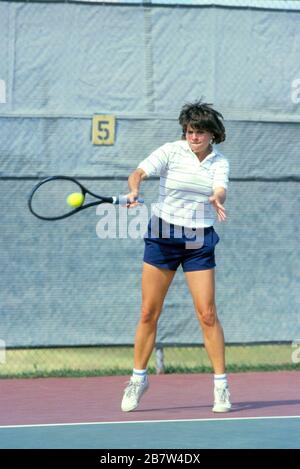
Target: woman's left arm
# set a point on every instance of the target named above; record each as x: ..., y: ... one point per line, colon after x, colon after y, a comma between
x: 217, y: 200
x: 220, y: 184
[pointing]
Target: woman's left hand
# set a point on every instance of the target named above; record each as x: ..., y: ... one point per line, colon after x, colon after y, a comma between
x: 220, y: 209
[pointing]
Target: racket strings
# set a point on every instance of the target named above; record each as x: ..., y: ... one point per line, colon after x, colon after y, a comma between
x: 50, y: 199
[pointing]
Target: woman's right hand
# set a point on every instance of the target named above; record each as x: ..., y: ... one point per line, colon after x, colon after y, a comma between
x: 132, y: 199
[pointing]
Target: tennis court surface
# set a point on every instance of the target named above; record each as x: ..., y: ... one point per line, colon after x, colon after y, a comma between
x: 174, y: 413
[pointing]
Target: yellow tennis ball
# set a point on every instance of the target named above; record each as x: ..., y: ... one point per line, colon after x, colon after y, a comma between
x: 76, y: 199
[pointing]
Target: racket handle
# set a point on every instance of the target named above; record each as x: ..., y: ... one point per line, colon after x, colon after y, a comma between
x: 122, y: 200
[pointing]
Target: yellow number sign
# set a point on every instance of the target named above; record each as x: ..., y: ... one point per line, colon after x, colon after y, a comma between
x: 103, y: 129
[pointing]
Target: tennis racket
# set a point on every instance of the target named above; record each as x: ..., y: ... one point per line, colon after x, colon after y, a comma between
x: 48, y: 200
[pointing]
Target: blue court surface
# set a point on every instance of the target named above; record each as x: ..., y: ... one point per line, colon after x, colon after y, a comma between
x: 231, y: 433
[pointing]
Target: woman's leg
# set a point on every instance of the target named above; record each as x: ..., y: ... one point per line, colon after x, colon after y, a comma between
x: 155, y: 284
x: 202, y: 287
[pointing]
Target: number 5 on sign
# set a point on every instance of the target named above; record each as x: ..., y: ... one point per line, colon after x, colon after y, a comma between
x: 103, y: 129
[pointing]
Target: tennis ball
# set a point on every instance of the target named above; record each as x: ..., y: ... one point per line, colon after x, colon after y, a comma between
x: 76, y: 199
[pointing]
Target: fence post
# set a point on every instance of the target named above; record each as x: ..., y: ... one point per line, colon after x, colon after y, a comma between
x: 159, y: 356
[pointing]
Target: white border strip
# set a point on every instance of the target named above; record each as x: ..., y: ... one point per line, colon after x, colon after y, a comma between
x: 38, y: 425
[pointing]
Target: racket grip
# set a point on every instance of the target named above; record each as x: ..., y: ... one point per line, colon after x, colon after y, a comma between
x: 122, y: 200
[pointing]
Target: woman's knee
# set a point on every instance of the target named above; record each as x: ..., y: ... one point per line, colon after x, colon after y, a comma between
x: 150, y: 314
x: 207, y: 315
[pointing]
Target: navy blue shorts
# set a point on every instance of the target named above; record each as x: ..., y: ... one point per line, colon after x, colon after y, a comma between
x: 167, y: 246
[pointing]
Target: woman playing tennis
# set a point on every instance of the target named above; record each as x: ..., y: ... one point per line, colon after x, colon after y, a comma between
x: 193, y: 184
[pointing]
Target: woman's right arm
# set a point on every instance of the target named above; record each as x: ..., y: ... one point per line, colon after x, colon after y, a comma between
x: 153, y: 165
x: 134, y: 182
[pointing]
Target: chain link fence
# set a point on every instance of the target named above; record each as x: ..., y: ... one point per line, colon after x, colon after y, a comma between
x: 99, y: 361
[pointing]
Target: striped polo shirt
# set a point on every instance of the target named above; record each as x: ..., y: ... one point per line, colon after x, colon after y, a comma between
x: 186, y: 183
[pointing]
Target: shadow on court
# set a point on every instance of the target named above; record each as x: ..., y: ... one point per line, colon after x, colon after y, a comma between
x: 237, y: 406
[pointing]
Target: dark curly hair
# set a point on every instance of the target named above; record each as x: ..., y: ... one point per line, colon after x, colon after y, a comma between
x: 201, y: 116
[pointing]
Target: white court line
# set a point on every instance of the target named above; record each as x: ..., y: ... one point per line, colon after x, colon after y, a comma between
x: 281, y: 417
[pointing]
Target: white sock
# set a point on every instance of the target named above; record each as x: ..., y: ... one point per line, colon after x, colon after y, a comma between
x: 139, y: 374
x: 220, y: 380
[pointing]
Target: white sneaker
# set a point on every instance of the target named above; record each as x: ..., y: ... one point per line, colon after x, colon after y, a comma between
x: 222, y: 402
x: 134, y: 391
